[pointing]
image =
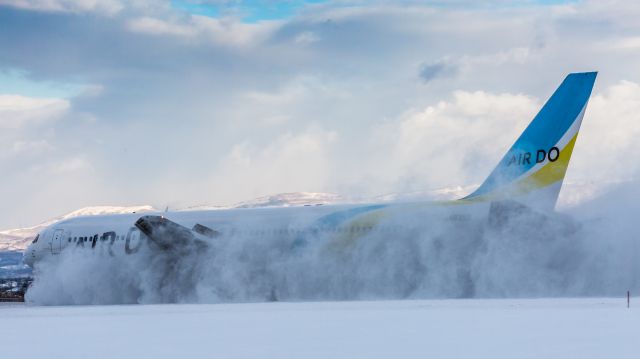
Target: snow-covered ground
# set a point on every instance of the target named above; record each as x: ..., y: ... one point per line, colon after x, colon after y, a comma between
x: 535, y: 328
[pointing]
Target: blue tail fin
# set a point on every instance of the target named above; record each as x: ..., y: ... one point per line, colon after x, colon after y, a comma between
x: 533, y: 169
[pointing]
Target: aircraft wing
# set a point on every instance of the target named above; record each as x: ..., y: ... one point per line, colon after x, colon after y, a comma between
x: 170, y: 236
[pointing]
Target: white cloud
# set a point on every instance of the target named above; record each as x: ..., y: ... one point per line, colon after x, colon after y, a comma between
x: 306, y: 37
x: 149, y: 25
x: 17, y: 111
x: 626, y: 43
x: 517, y: 55
x: 106, y: 7
x: 223, y: 31
x: 229, y: 31
x: 71, y: 165
x: 292, y: 102
x: 275, y: 120
x: 292, y: 162
x: 92, y: 90
x: 453, y: 142
x: 608, y: 145
x: 32, y: 147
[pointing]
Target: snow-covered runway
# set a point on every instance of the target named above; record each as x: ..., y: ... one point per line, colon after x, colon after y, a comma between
x: 540, y: 328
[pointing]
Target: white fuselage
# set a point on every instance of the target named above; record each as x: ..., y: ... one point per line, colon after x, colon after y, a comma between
x: 118, y: 235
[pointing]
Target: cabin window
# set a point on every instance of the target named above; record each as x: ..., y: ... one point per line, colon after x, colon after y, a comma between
x: 36, y: 239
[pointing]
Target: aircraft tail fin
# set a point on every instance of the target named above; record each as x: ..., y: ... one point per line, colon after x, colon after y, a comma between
x: 533, y: 169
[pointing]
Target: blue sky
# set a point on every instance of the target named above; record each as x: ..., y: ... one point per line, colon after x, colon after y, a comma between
x: 259, y: 10
x: 249, y: 11
x: 120, y: 103
x: 18, y: 82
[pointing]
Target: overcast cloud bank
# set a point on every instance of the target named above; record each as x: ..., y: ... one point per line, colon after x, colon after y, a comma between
x: 176, y: 108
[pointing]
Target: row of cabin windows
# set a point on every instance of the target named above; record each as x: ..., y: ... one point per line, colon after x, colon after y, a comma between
x: 280, y: 231
x: 84, y: 239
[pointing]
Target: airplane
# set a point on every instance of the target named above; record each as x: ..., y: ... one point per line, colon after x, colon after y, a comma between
x: 527, y: 180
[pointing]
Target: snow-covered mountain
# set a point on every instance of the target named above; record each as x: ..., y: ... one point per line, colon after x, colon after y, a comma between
x: 278, y: 200
x: 292, y: 199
